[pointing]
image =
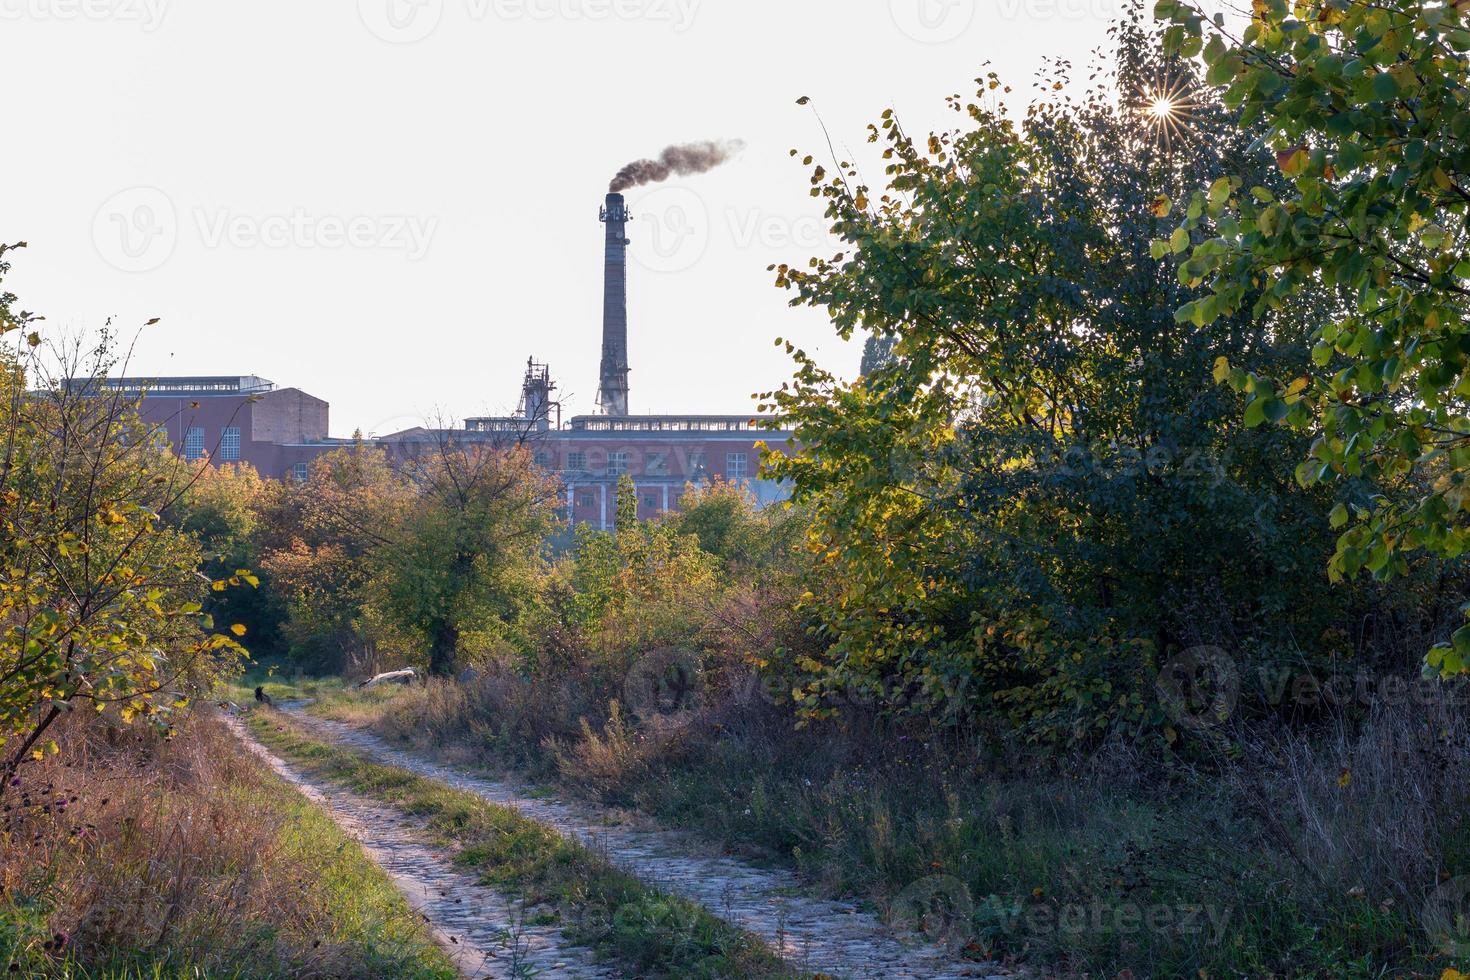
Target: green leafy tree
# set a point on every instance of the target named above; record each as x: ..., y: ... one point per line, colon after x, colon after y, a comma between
x: 1038, y: 496
x: 627, y: 505
x: 318, y: 539
x: 467, y: 555
x: 622, y: 593
x: 222, y: 509
x: 1367, y: 107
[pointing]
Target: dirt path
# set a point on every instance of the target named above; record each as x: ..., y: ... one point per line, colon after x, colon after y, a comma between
x: 484, y: 935
x: 812, y: 934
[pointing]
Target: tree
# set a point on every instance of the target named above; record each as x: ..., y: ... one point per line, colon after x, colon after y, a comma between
x: 318, y: 542
x: 101, y: 603
x: 466, y: 555
x: 222, y: 509
x: 626, y: 518
x: 1367, y: 107
x: 632, y: 590
x: 1039, y: 496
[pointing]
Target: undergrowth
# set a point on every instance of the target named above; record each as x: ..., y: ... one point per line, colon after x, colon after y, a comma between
x: 594, y: 903
x: 137, y: 857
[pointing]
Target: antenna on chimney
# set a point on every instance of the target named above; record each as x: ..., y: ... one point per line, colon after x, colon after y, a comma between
x: 612, y: 391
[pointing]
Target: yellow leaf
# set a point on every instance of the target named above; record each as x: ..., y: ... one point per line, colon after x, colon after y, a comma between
x: 1345, y: 778
x: 37, y: 754
x: 238, y: 629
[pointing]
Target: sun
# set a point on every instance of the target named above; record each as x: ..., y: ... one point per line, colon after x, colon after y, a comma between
x: 1167, y: 110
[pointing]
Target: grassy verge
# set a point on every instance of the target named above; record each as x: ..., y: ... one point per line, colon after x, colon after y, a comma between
x: 1327, y: 856
x: 594, y: 903
x: 190, y: 858
x: 280, y: 684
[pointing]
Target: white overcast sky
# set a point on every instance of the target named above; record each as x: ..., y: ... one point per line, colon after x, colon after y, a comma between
x: 393, y: 203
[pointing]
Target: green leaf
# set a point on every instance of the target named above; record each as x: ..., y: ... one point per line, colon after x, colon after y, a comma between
x: 1384, y: 87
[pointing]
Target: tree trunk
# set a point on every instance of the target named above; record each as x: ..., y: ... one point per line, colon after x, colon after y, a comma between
x: 443, y: 649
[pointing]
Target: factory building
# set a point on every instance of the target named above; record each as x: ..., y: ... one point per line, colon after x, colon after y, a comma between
x: 279, y: 431
x: 233, y: 419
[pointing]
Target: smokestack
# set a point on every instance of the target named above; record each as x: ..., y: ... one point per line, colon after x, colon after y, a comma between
x: 612, y: 393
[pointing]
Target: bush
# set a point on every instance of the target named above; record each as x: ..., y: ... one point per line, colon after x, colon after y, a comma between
x: 140, y: 854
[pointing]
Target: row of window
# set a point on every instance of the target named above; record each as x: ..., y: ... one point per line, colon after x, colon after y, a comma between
x: 229, y: 443
x: 617, y: 463
x: 589, y: 500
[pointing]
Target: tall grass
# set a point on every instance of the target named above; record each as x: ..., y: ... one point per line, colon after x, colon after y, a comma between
x: 1273, y: 852
x: 651, y: 933
x: 132, y: 856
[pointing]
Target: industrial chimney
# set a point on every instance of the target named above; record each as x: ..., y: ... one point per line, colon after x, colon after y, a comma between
x: 612, y: 393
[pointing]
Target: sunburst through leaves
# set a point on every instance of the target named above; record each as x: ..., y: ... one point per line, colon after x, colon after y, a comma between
x: 1167, y: 108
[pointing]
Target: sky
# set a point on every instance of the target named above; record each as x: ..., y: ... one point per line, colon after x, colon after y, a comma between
x: 392, y: 204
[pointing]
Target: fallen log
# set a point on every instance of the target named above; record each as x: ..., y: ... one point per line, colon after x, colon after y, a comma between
x: 405, y: 676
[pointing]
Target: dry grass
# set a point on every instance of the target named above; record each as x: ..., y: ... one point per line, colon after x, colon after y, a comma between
x: 132, y: 856
x: 1316, y: 847
x: 650, y: 933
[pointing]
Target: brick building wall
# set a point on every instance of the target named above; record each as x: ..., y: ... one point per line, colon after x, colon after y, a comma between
x: 280, y: 431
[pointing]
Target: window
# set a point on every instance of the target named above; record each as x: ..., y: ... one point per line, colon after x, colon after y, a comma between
x: 194, y: 443
x: 656, y: 465
x: 299, y: 472
x: 650, y: 500
x: 576, y: 461
x: 586, y: 500
x: 734, y: 466
x: 617, y: 464
x: 541, y: 459
x: 696, y: 463
x: 229, y: 443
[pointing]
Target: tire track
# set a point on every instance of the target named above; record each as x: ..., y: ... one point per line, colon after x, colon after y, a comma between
x: 834, y: 938
x: 484, y: 934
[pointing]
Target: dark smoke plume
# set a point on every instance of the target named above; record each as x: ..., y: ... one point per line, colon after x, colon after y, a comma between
x: 691, y: 158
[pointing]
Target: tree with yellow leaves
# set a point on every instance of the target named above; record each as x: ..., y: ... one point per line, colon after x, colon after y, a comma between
x: 101, y: 602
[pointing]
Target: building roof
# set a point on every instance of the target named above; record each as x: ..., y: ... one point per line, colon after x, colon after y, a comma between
x: 666, y: 423
x: 199, y: 385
